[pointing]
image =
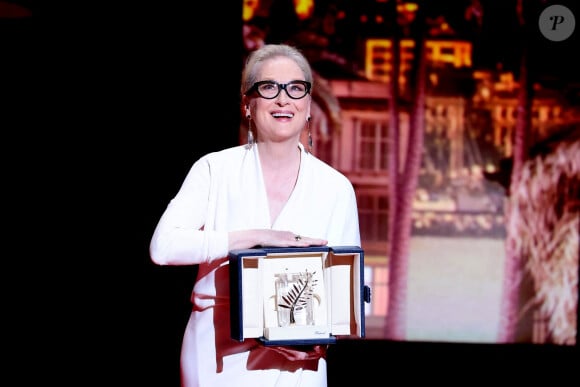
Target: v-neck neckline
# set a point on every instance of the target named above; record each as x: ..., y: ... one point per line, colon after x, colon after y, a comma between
x: 273, y: 222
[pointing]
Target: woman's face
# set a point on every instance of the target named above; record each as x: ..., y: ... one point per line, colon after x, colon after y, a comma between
x: 281, y: 118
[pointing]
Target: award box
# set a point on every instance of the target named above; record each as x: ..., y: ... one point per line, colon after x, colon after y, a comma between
x: 297, y: 295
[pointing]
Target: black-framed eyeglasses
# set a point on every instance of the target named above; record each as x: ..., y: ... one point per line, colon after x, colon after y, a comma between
x: 271, y: 89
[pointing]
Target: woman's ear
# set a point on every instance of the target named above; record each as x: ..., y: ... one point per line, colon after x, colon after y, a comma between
x: 245, y: 106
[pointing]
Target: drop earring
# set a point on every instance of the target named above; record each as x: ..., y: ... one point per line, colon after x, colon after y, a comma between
x: 250, y: 134
x: 309, y: 135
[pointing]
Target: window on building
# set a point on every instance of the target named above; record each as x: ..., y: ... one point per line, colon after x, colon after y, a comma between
x: 373, y: 210
x: 372, y: 140
x: 377, y: 278
x: 447, y: 51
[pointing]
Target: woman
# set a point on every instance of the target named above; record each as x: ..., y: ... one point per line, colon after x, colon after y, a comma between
x: 269, y: 192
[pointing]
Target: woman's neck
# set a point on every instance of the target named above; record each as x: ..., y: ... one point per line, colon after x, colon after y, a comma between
x: 280, y: 168
x: 279, y: 155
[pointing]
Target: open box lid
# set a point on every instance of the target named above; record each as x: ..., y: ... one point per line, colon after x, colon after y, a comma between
x: 333, y: 275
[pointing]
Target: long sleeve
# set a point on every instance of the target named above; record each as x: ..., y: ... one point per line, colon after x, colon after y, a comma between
x: 222, y: 192
x: 180, y: 237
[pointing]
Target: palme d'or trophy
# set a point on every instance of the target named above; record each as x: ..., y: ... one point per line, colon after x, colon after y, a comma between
x: 294, y: 298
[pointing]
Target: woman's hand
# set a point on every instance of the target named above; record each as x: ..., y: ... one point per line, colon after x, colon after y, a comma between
x: 275, y: 238
x: 290, y: 239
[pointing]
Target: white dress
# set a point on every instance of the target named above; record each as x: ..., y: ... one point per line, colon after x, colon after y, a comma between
x: 225, y: 191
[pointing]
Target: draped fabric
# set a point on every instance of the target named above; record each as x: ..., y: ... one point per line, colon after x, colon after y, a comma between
x: 224, y: 191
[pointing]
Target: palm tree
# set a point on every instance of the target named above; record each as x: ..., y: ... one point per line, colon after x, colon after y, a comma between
x: 403, y: 182
x: 513, y: 270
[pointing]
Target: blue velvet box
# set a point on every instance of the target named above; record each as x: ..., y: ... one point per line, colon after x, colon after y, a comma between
x: 297, y: 296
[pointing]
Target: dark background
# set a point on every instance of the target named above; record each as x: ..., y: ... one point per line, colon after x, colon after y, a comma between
x: 126, y: 98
